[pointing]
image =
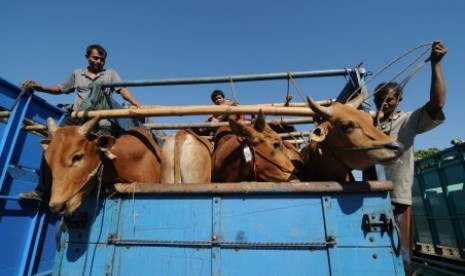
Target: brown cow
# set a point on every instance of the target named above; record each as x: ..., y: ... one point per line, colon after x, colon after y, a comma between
x: 76, y: 156
x: 250, y: 153
x: 186, y: 158
x: 346, y: 139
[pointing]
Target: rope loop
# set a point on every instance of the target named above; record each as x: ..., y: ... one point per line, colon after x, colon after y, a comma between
x: 408, y: 77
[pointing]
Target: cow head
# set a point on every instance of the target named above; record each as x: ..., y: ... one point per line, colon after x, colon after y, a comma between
x: 73, y: 156
x: 269, y: 152
x: 350, y: 135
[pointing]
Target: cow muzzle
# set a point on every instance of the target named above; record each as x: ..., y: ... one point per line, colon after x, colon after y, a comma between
x: 58, y: 209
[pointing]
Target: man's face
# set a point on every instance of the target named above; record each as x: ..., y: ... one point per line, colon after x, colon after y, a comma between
x: 96, y: 61
x: 219, y: 100
x: 387, y: 102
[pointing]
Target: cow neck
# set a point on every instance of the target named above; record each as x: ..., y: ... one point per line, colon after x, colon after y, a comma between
x: 243, y: 141
x: 222, y: 135
x: 255, y: 152
x: 329, y: 149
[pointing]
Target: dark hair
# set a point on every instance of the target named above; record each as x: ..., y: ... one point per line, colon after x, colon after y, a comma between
x: 386, y: 86
x: 97, y: 47
x: 216, y: 93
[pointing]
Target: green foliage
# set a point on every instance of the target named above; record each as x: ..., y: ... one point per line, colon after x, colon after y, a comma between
x: 420, y: 154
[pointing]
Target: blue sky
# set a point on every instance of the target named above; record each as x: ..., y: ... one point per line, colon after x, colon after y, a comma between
x: 146, y: 40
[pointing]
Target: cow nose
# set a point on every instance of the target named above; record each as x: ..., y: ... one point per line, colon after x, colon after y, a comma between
x: 395, y: 146
x: 293, y: 178
x: 59, y: 208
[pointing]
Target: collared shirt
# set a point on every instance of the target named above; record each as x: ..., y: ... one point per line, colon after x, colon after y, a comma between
x: 403, y: 127
x: 80, y: 82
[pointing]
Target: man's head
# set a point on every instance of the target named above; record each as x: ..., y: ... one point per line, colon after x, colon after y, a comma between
x: 388, y: 96
x: 218, y: 97
x: 96, y: 56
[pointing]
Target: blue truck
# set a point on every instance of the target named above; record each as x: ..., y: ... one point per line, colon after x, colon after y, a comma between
x: 303, y: 228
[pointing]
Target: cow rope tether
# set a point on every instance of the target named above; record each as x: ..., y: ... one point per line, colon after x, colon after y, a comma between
x: 289, y: 75
x: 97, y: 172
x: 333, y: 148
x: 233, y: 91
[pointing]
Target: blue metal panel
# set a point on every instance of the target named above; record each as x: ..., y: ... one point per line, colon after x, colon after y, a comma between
x: 143, y: 260
x: 254, y: 219
x: 359, y: 249
x: 28, y: 152
x: 365, y: 261
x: 170, y: 219
x: 275, y: 261
x: 9, y: 137
x: 267, y: 233
x: 227, y: 234
x: 27, y: 238
x: 347, y: 215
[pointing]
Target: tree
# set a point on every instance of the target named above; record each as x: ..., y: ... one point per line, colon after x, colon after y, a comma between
x: 420, y: 154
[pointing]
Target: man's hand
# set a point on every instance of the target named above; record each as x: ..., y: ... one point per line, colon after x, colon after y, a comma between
x: 438, y: 51
x: 32, y: 85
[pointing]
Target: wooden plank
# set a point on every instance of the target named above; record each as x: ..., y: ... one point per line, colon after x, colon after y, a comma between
x: 253, y: 187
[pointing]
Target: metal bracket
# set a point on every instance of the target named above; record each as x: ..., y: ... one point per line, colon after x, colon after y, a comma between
x: 376, y: 223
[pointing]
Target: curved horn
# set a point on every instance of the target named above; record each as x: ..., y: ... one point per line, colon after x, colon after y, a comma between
x: 357, y: 101
x: 52, y: 126
x: 88, y: 126
x: 319, y: 109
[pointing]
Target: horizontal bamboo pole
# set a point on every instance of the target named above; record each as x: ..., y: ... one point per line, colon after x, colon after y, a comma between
x: 254, y: 187
x: 282, y: 135
x: 295, y: 104
x: 4, y: 114
x: 293, y: 121
x: 28, y: 124
x: 194, y: 110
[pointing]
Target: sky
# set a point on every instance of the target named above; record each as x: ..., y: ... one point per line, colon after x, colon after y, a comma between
x: 151, y: 40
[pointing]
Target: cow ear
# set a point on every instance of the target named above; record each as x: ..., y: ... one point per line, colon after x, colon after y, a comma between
x: 246, y: 132
x: 52, y: 126
x: 318, y: 134
x: 105, y: 142
x: 44, y: 143
x: 240, y: 129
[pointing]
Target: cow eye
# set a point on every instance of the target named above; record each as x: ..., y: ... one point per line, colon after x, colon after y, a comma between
x: 277, y: 145
x: 347, y: 127
x: 76, y: 158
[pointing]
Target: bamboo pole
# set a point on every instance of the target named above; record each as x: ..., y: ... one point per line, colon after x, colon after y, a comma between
x: 28, y: 124
x: 282, y: 135
x: 194, y: 110
x: 253, y: 187
x: 296, y: 104
x: 293, y: 121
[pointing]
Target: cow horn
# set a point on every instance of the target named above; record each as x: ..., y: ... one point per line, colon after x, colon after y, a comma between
x: 260, y: 122
x: 357, y: 101
x: 319, y: 109
x: 52, y: 126
x: 88, y: 126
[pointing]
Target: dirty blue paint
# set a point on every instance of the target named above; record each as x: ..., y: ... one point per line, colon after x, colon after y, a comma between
x: 27, y: 237
x: 257, y: 234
